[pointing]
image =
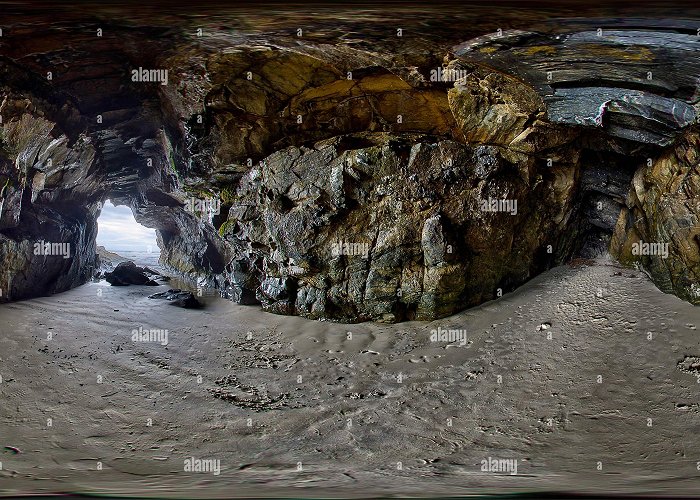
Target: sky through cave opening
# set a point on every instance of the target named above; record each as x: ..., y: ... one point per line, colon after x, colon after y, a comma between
x: 119, y: 232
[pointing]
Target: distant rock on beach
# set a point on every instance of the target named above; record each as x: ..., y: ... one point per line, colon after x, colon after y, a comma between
x: 178, y: 298
x: 128, y: 273
x: 106, y: 260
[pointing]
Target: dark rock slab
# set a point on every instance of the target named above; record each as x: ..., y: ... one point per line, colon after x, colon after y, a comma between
x: 637, y: 84
x: 629, y: 114
x: 178, y: 298
x: 128, y: 273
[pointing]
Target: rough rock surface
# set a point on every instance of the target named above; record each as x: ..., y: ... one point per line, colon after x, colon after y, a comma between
x: 663, y: 209
x: 394, y: 230
x: 106, y: 260
x: 179, y: 298
x: 638, y: 84
x: 317, y: 147
x: 127, y: 273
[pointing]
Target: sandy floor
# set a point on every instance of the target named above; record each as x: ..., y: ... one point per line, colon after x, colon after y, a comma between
x: 304, y: 408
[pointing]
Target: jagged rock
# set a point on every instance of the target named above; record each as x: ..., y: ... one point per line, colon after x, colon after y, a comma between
x: 107, y: 261
x: 636, y: 84
x: 277, y: 295
x: 350, y: 174
x: 127, y: 273
x: 659, y: 228
x: 500, y: 110
x: 178, y: 298
x: 407, y: 236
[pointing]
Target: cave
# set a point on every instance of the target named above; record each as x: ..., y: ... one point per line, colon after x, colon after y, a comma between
x: 392, y: 245
x: 204, y: 166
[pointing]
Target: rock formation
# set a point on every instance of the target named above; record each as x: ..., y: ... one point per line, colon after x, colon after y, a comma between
x: 388, y: 178
x: 179, y: 298
x: 127, y: 273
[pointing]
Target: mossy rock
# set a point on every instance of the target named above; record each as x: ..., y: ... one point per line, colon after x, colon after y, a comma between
x: 228, y: 224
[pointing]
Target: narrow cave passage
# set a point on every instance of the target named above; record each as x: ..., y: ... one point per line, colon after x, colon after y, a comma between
x: 119, y: 232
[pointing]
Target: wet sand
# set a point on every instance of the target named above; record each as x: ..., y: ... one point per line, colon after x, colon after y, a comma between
x: 292, y: 407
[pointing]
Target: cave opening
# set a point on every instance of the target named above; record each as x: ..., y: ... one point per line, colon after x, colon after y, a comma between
x: 119, y: 232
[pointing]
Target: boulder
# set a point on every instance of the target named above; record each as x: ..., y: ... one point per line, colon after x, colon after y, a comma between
x: 178, y: 298
x: 394, y: 228
x: 127, y: 273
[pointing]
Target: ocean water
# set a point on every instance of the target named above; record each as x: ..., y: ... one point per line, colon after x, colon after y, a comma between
x: 149, y: 259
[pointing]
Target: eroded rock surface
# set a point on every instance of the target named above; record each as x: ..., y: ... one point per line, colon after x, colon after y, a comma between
x: 637, y: 83
x: 353, y: 177
x: 127, y: 273
x: 660, y: 225
x: 395, y: 230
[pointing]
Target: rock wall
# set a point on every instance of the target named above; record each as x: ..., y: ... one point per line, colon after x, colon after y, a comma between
x: 48, y: 206
x: 659, y: 228
x: 397, y: 178
x: 393, y: 230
